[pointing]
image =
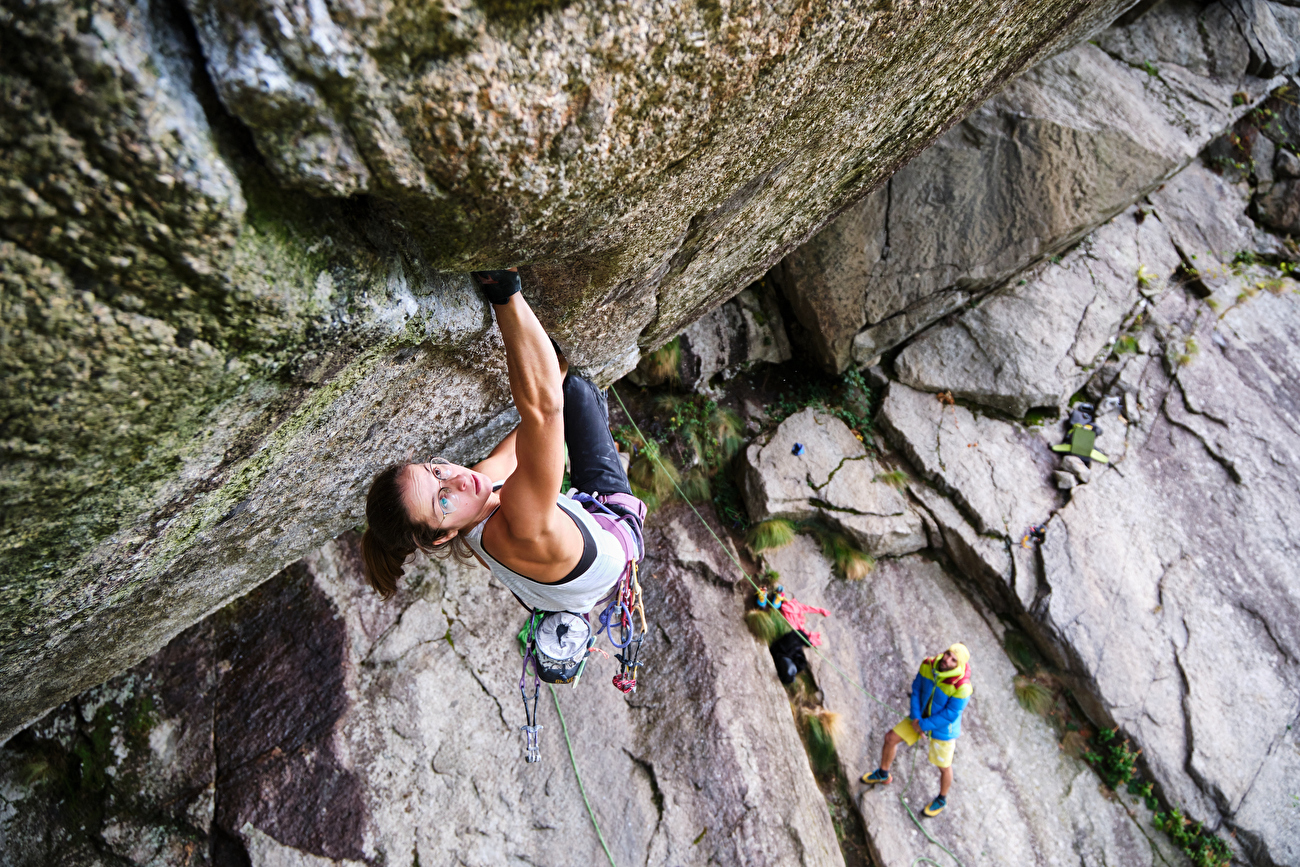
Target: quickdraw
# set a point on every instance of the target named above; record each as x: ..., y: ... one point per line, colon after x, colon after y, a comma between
x: 532, y: 750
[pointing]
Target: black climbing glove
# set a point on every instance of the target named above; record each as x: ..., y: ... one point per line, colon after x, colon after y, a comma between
x: 498, y: 286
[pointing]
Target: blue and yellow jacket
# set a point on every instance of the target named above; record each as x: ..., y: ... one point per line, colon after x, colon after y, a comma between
x: 938, y: 702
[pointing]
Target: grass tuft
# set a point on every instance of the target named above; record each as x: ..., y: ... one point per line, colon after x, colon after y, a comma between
x: 652, y: 477
x: 766, y: 625
x: 1034, y: 697
x: 850, y: 562
x: 896, y: 479
x: 824, y: 728
x: 1023, y: 654
x: 770, y: 535
x: 662, y: 365
x: 695, y: 485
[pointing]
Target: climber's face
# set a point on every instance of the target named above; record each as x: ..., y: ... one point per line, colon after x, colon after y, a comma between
x: 948, y: 661
x: 443, y: 496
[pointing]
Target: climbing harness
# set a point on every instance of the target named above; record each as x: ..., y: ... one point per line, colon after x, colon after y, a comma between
x: 843, y: 674
x: 558, y: 643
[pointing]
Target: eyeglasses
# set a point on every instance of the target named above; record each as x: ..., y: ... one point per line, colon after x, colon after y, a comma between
x: 448, y: 501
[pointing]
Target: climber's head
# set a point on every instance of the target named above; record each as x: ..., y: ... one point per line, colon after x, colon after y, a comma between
x: 419, y: 506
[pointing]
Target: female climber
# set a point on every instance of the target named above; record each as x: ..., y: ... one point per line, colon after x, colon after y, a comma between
x: 547, y: 549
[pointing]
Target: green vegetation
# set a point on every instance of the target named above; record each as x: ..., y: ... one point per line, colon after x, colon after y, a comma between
x: 1112, y: 758
x: 849, y: 401
x: 766, y: 625
x: 822, y: 728
x: 896, y: 479
x: 1203, y: 848
x: 652, y: 473
x: 1033, y: 696
x: 1126, y: 345
x: 770, y: 535
x: 663, y: 365
x: 850, y: 562
x: 1150, y: 69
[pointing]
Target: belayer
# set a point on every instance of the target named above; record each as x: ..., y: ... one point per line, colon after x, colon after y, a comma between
x: 560, y: 556
x: 940, y: 692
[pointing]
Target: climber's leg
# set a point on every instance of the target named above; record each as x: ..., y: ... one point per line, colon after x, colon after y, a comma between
x: 945, y: 781
x: 594, y: 467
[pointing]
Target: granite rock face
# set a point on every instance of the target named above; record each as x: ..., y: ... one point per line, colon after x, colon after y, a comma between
x: 833, y: 478
x: 1176, y: 553
x: 1017, y: 798
x: 746, y: 331
x: 311, y: 723
x: 1063, y: 149
x: 235, y: 238
x: 1036, y: 342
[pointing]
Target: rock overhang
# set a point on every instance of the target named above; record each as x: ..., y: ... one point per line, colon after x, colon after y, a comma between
x: 259, y: 333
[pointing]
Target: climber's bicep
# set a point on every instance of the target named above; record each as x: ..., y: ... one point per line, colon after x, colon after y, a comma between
x: 529, y: 494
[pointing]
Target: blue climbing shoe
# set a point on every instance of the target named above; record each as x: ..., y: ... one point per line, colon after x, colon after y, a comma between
x: 877, y: 776
x: 936, y: 806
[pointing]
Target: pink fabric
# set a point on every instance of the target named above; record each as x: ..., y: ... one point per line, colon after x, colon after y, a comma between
x: 794, y: 612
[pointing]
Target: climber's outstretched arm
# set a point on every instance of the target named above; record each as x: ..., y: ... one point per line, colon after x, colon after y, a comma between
x: 528, y: 497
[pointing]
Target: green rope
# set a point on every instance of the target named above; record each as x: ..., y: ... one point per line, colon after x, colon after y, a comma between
x: 741, y: 569
x: 581, y: 788
x: 906, y: 783
x: 826, y: 659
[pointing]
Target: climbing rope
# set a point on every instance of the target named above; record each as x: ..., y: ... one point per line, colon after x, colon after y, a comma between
x: 843, y: 674
x: 581, y: 788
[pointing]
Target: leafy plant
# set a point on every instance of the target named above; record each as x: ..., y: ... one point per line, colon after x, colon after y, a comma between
x: 1204, y: 849
x: 1127, y: 344
x: 1112, y: 758
x: 1145, y: 791
x: 770, y: 535
x: 849, y: 400
x: 1150, y: 68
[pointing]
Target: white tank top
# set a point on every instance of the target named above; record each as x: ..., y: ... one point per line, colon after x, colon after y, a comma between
x: 579, y: 593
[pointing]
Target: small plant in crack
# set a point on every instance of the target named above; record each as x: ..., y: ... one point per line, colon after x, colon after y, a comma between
x: 770, y: 535
x: 896, y: 479
x: 1034, y: 696
x: 850, y: 561
x: 1112, y: 758
x: 1203, y: 848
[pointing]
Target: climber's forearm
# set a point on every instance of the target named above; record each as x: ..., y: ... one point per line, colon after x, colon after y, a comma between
x: 535, y: 379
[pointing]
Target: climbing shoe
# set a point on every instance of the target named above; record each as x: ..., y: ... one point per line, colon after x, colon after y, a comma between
x: 936, y: 806
x: 877, y: 776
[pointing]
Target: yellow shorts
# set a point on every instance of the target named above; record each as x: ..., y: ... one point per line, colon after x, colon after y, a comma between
x: 940, y: 751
